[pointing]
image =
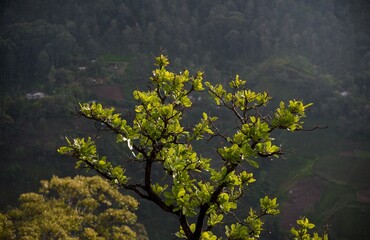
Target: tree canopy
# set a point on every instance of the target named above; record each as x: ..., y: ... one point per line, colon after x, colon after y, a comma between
x: 73, y: 208
x: 199, y: 190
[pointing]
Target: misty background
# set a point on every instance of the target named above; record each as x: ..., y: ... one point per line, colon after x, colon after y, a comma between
x: 56, y: 53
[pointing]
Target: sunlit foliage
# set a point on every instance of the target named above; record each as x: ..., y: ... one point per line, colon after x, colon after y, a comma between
x: 73, y: 208
x: 192, y: 187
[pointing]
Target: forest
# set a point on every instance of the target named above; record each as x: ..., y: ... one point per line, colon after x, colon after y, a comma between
x: 55, y: 54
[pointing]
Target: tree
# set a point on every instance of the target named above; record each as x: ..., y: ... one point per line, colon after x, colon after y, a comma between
x: 73, y: 208
x: 200, y: 191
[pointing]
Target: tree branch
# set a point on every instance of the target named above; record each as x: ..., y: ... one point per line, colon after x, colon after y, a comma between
x: 204, y: 208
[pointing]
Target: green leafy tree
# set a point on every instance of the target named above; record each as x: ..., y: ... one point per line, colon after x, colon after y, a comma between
x: 301, y: 231
x: 73, y: 208
x: 200, y: 191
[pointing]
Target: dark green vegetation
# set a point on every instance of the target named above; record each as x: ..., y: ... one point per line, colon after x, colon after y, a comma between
x: 317, y: 51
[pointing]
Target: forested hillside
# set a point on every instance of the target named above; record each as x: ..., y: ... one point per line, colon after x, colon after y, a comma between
x: 55, y: 53
x: 37, y: 35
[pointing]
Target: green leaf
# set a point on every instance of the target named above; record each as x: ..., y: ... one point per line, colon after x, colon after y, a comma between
x: 253, y: 163
x: 181, y: 193
x: 162, y: 61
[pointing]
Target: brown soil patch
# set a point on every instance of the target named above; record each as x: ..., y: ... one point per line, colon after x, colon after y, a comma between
x: 363, y: 196
x: 348, y: 154
x: 302, y: 197
x: 110, y: 92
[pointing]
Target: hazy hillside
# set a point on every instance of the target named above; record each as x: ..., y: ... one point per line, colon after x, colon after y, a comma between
x: 56, y: 53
